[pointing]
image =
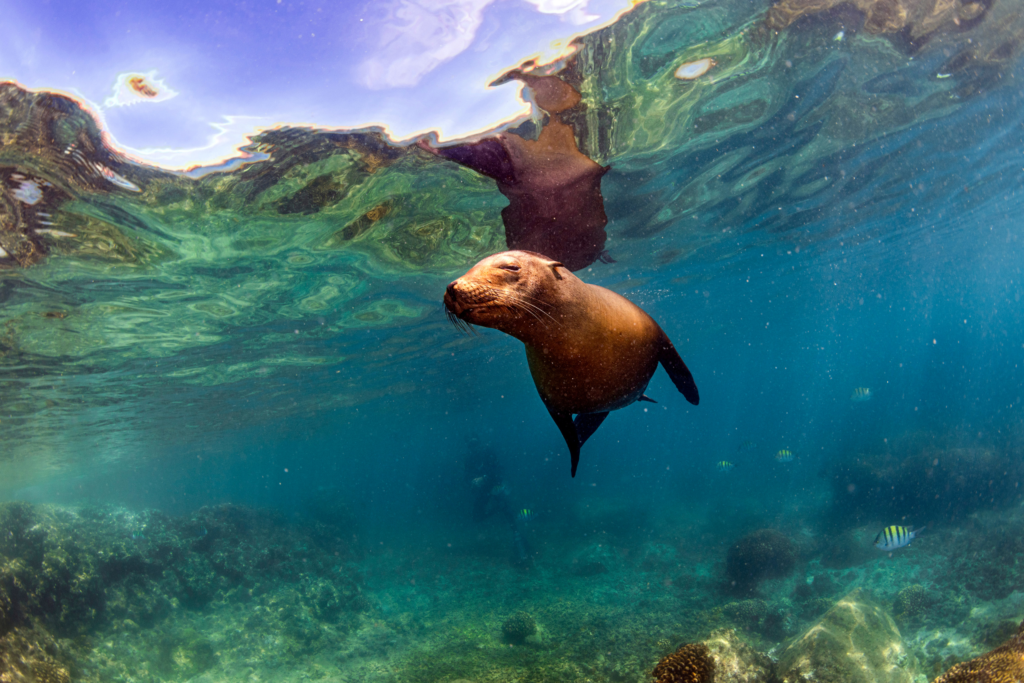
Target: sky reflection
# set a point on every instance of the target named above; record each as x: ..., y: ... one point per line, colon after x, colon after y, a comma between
x: 224, y: 69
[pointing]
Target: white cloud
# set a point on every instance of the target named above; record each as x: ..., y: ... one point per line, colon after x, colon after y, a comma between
x: 417, y: 37
x: 573, y: 10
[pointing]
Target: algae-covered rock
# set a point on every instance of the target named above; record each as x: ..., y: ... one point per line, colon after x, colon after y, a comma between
x: 854, y: 642
x: 737, y: 662
x: 763, y: 554
x: 29, y: 654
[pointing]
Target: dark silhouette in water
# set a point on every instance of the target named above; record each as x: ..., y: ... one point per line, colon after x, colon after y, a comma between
x: 483, y: 473
x: 554, y: 191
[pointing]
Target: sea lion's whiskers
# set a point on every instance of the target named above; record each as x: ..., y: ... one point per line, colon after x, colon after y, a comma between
x: 520, y: 299
x: 513, y: 303
x: 460, y: 324
x: 538, y: 303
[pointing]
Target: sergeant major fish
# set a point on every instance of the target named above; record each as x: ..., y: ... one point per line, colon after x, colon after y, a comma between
x: 861, y: 394
x: 893, y: 537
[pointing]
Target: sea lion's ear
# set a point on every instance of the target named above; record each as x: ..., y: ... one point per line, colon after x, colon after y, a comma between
x: 555, y: 265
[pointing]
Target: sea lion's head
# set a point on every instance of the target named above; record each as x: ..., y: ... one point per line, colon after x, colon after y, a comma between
x: 512, y: 291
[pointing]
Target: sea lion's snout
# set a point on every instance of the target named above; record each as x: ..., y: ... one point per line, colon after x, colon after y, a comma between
x: 462, y: 295
x: 451, y: 297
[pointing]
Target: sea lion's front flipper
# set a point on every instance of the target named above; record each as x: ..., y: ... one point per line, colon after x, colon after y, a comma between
x: 587, y: 424
x: 677, y: 370
x: 568, y: 429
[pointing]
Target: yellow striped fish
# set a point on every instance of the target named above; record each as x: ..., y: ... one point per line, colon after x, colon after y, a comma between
x: 785, y: 455
x: 892, y: 537
x: 725, y: 466
x: 861, y: 394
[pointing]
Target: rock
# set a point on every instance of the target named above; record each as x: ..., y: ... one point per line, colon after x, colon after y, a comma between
x: 760, y: 555
x: 594, y: 560
x: 737, y: 662
x: 854, y: 642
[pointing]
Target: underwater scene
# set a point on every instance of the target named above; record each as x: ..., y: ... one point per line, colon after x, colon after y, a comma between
x: 548, y: 341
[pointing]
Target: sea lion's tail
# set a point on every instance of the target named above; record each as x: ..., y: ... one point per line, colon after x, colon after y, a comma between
x: 677, y: 370
x: 565, y: 425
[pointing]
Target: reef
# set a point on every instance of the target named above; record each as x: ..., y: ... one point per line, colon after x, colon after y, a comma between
x: 66, y: 575
x: 924, y: 481
x: 763, y: 554
x: 691, y: 663
x: 1005, y: 664
x: 854, y: 642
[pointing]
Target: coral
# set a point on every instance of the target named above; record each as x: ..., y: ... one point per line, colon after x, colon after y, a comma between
x: 911, y: 602
x: 854, y: 642
x: 518, y: 627
x: 691, y: 663
x: 746, y: 613
x: 763, y: 554
x: 1005, y: 664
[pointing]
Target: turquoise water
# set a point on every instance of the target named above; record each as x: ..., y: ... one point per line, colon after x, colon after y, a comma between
x: 240, y: 440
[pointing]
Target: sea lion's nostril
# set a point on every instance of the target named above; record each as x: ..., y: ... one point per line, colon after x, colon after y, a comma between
x: 451, y: 289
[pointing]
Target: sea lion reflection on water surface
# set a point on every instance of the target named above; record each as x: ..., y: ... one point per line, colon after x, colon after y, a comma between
x: 554, y: 197
x: 590, y: 350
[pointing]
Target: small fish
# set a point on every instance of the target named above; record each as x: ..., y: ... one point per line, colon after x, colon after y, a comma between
x: 861, y: 394
x: 785, y: 455
x: 525, y: 515
x: 839, y: 36
x: 892, y: 537
x: 747, y: 446
x: 724, y: 466
x: 138, y: 536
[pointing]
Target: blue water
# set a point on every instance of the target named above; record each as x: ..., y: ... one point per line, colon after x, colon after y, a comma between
x: 240, y: 441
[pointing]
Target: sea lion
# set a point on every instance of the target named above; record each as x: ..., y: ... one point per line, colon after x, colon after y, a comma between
x: 555, y: 205
x: 590, y: 350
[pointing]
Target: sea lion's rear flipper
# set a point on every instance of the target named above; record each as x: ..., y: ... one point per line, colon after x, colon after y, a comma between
x: 568, y: 429
x: 677, y: 370
x: 586, y: 424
